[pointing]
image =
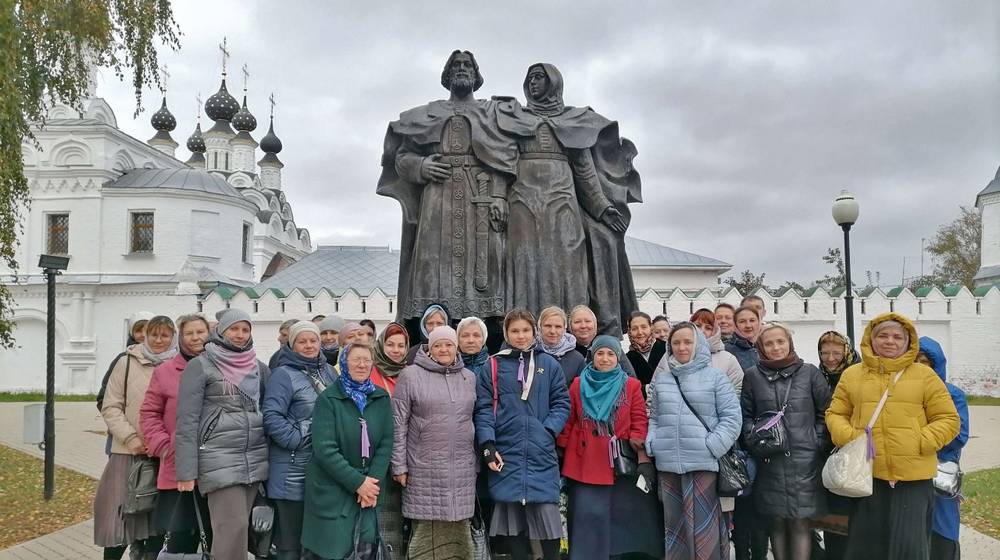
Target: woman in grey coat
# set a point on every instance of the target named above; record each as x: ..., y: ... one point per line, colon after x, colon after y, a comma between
x: 220, y: 441
x: 788, y: 488
x: 434, y: 455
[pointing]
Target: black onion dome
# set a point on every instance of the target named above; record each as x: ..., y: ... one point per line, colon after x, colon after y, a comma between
x: 196, y: 143
x: 221, y: 105
x: 243, y: 120
x: 163, y: 119
x: 270, y: 143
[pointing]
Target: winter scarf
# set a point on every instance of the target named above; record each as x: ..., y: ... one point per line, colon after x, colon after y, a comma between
x: 386, y: 365
x: 159, y: 358
x: 234, y: 363
x: 565, y: 344
x: 776, y: 365
x: 600, y: 391
x: 643, y: 348
x: 357, y: 391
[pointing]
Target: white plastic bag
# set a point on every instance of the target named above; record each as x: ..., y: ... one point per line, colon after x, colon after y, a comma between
x: 848, y: 472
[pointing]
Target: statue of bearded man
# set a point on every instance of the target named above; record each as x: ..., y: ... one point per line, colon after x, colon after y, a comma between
x: 449, y: 166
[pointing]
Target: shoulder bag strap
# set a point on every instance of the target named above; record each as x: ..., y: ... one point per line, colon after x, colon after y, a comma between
x: 315, y: 381
x: 688, y: 404
x: 881, y: 402
x: 496, y: 395
x: 788, y: 391
x: 128, y: 362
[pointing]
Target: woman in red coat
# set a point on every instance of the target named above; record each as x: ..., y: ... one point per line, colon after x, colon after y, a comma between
x: 174, y: 511
x: 607, y: 513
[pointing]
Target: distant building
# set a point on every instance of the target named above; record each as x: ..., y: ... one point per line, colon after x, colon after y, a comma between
x: 988, y: 202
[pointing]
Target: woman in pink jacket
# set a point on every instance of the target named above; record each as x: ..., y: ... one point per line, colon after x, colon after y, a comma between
x: 174, y: 513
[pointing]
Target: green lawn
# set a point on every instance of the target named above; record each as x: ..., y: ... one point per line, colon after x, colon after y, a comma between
x: 40, y: 397
x: 981, y: 507
x: 977, y: 400
x: 24, y: 515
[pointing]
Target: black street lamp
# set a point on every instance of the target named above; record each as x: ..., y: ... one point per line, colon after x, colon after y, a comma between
x: 51, y: 265
x: 845, y: 213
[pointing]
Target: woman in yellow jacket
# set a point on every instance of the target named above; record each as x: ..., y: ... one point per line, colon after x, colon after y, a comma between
x: 918, y: 419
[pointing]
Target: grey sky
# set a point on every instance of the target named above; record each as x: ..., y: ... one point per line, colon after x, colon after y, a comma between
x: 749, y: 117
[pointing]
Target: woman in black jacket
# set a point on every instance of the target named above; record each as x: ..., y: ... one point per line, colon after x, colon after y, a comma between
x: 645, y: 352
x: 788, y: 487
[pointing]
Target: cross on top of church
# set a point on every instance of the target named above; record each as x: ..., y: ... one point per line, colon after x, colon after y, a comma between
x: 273, y: 103
x: 246, y: 76
x: 225, y: 55
x: 164, y: 76
x: 197, y: 99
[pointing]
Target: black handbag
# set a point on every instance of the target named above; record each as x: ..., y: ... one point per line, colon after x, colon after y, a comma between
x: 378, y: 550
x: 205, y: 554
x: 734, y: 474
x: 624, y: 458
x: 769, y: 436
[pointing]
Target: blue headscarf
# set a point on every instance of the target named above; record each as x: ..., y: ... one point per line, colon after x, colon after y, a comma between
x: 358, y: 392
x: 600, y: 391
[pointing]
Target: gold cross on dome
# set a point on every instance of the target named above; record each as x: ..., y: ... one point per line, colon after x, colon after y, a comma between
x: 225, y: 55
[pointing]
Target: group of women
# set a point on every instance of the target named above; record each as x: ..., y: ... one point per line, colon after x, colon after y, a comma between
x: 350, y: 445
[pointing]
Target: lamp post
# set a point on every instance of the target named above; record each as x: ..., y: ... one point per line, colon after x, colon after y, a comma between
x: 51, y: 265
x: 845, y: 213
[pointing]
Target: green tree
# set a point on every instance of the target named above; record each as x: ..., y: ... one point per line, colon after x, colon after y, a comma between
x: 956, y: 248
x: 839, y: 280
x: 746, y: 282
x: 46, y: 50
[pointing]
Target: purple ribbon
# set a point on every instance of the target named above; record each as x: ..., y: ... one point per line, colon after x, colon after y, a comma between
x: 871, y: 443
x: 365, y: 443
x: 520, y: 370
x: 772, y: 422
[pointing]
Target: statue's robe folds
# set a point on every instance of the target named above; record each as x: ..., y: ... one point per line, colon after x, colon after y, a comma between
x: 450, y: 253
x: 602, y: 174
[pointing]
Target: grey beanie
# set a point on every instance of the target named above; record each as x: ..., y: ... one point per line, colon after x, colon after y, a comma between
x: 299, y: 328
x: 332, y: 323
x: 230, y: 317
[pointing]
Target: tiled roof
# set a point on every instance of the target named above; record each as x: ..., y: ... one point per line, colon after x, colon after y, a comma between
x: 991, y: 187
x: 339, y: 267
x: 647, y: 253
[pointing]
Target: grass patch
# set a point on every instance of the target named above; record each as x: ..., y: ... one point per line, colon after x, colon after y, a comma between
x: 979, y: 400
x: 24, y: 515
x: 981, y: 507
x: 40, y: 397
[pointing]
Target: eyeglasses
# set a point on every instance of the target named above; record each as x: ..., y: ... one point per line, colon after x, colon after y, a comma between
x: 360, y: 361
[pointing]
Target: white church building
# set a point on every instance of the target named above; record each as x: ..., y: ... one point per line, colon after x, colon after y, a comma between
x: 146, y: 231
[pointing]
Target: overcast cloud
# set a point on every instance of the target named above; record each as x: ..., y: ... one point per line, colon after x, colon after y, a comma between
x: 749, y: 117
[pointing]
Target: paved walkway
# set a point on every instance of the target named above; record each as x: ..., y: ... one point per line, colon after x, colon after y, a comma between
x: 78, y: 447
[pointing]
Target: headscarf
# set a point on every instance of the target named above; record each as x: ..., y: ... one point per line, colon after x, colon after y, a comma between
x: 551, y: 102
x: 158, y: 358
x: 850, y: 356
x: 349, y: 328
x: 386, y: 365
x: 565, y: 344
x: 358, y: 391
x: 479, y: 358
x: 701, y: 358
x: 776, y: 365
x: 601, y: 391
x: 428, y: 311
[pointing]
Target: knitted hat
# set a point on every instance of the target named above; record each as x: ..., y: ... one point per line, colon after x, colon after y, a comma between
x: 230, y: 317
x: 332, y: 323
x: 299, y: 328
x: 607, y: 341
x: 444, y: 332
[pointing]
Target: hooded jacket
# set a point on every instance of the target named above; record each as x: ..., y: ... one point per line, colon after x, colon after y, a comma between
x: 919, y: 417
x: 946, y: 519
x: 289, y: 398
x: 676, y: 440
x: 523, y: 431
x: 435, y: 440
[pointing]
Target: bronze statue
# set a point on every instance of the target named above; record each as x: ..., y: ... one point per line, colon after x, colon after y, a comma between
x: 449, y: 166
x: 561, y: 175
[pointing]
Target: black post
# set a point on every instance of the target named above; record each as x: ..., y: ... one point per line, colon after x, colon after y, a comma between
x: 849, y: 293
x: 50, y: 386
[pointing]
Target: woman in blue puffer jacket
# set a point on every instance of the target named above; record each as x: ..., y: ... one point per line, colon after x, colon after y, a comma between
x: 694, y: 419
x: 302, y: 373
x: 521, y: 406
